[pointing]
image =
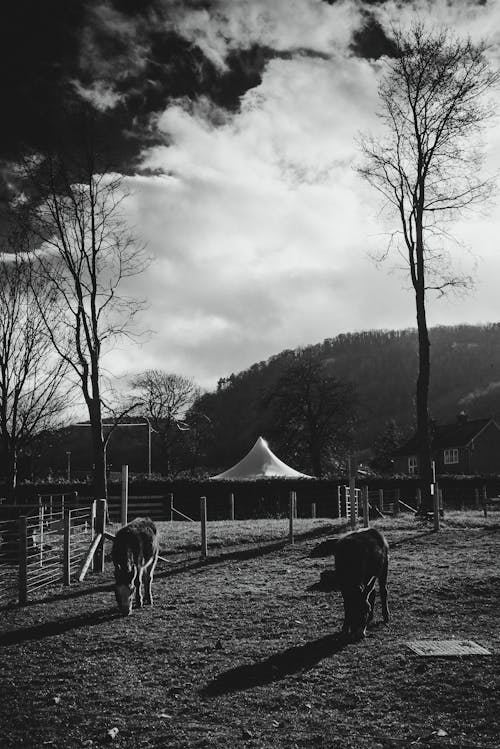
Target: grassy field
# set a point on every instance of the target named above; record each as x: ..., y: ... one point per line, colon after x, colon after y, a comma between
x: 240, y: 650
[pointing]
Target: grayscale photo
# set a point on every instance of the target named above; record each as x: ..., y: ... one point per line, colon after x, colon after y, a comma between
x: 250, y: 374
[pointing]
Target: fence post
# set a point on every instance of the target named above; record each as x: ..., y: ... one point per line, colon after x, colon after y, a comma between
x: 485, y: 500
x: 203, y: 518
x: 67, y: 548
x: 171, y: 498
x: 395, y: 509
x: 231, y: 506
x: 41, y: 520
x: 313, y: 510
x: 435, y: 502
x: 23, y: 560
x: 124, y: 505
x: 366, y: 508
x: 290, y: 516
x: 352, y: 498
x: 476, y: 498
x: 100, y: 527
x: 419, y: 497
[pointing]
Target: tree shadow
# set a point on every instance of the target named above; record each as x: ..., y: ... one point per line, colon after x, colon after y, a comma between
x: 276, y: 667
x: 49, y: 629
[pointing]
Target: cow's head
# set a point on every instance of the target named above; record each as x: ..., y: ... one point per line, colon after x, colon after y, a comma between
x: 124, y: 589
x: 359, y: 611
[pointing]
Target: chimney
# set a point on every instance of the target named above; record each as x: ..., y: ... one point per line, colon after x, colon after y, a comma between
x: 462, y: 418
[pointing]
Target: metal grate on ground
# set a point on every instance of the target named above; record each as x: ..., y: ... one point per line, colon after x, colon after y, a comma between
x: 450, y: 648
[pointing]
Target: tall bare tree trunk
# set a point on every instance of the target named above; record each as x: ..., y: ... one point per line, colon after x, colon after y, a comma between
x: 98, y: 450
x: 422, y: 398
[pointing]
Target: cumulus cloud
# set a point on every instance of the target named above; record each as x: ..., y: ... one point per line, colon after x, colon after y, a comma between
x: 245, y: 115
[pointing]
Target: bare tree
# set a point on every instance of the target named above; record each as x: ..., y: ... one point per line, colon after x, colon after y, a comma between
x: 312, y: 412
x: 86, y: 251
x: 165, y: 399
x: 427, y: 167
x: 32, y: 396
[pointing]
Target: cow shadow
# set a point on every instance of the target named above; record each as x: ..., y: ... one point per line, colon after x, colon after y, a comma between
x: 276, y: 667
x: 49, y: 629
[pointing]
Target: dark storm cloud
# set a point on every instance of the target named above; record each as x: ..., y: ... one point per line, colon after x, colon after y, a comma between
x: 55, y: 55
x: 371, y: 41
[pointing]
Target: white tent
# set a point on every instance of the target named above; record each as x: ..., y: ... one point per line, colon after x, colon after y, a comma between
x: 261, y: 463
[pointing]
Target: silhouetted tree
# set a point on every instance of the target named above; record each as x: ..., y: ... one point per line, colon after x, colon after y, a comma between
x: 385, y: 447
x: 426, y: 165
x: 311, y: 412
x: 33, y: 397
x: 164, y: 398
x: 86, y: 251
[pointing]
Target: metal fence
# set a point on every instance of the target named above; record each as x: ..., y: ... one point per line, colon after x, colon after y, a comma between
x: 42, y: 550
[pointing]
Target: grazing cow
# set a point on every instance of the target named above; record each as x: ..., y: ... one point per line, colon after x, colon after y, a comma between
x: 134, y: 554
x: 360, y: 559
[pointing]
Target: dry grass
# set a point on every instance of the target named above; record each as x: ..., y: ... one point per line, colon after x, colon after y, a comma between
x: 240, y: 652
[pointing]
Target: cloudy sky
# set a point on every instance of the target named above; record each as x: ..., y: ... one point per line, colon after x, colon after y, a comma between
x: 236, y: 125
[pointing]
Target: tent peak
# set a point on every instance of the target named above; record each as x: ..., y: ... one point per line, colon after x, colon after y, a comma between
x: 260, y: 463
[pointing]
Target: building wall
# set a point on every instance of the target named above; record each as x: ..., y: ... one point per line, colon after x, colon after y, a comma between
x: 485, y: 451
x: 481, y: 456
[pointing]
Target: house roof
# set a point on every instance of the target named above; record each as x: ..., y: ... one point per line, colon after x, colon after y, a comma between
x: 459, y: 434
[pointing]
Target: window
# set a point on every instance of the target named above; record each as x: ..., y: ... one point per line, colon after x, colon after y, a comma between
x: 451, y: 455
x: 412, y: 464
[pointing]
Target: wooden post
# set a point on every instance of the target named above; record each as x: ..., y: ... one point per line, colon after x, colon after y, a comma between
x: 366, y: 508
x: 419, y: 497
x: 485, y: 500
x: 89, y: 559
x: 203, y: 518
x: 476, y: 498
x: 41, y: 520
x: 23, y: 560
x: 124, y: 506
x: 435, y: 501
x: 290, y: 516
x: 231, y: 506
x: 295, y: 504
x: 381, y: 499
x: 99, y: 529
x: 352, y: 497
x: 171, y: 497
x: 313, y: 510
x: 441, y: 502
x: 67, y: 548
x: 395, y: 509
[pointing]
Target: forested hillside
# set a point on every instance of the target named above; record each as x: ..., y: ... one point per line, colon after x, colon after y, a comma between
x: 383, y: 366
x: 224, y: 424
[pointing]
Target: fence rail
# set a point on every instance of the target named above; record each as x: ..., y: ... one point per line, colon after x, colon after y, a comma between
x: 41, y: 550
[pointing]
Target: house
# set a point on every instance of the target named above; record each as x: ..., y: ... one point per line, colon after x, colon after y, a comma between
x: 469, y: 446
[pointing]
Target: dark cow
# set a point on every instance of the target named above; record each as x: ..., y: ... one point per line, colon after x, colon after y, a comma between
x: 134, y: 554
x: 360, y: 559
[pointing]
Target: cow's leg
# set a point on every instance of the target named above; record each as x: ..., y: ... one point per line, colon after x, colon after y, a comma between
x: 148, y: 581
x: 346, y: 626
x: 383, y: 591
x: 370, y: 598
x: 138, y: 587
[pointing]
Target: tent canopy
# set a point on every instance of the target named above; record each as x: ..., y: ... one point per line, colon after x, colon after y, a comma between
x: 261, y: 463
